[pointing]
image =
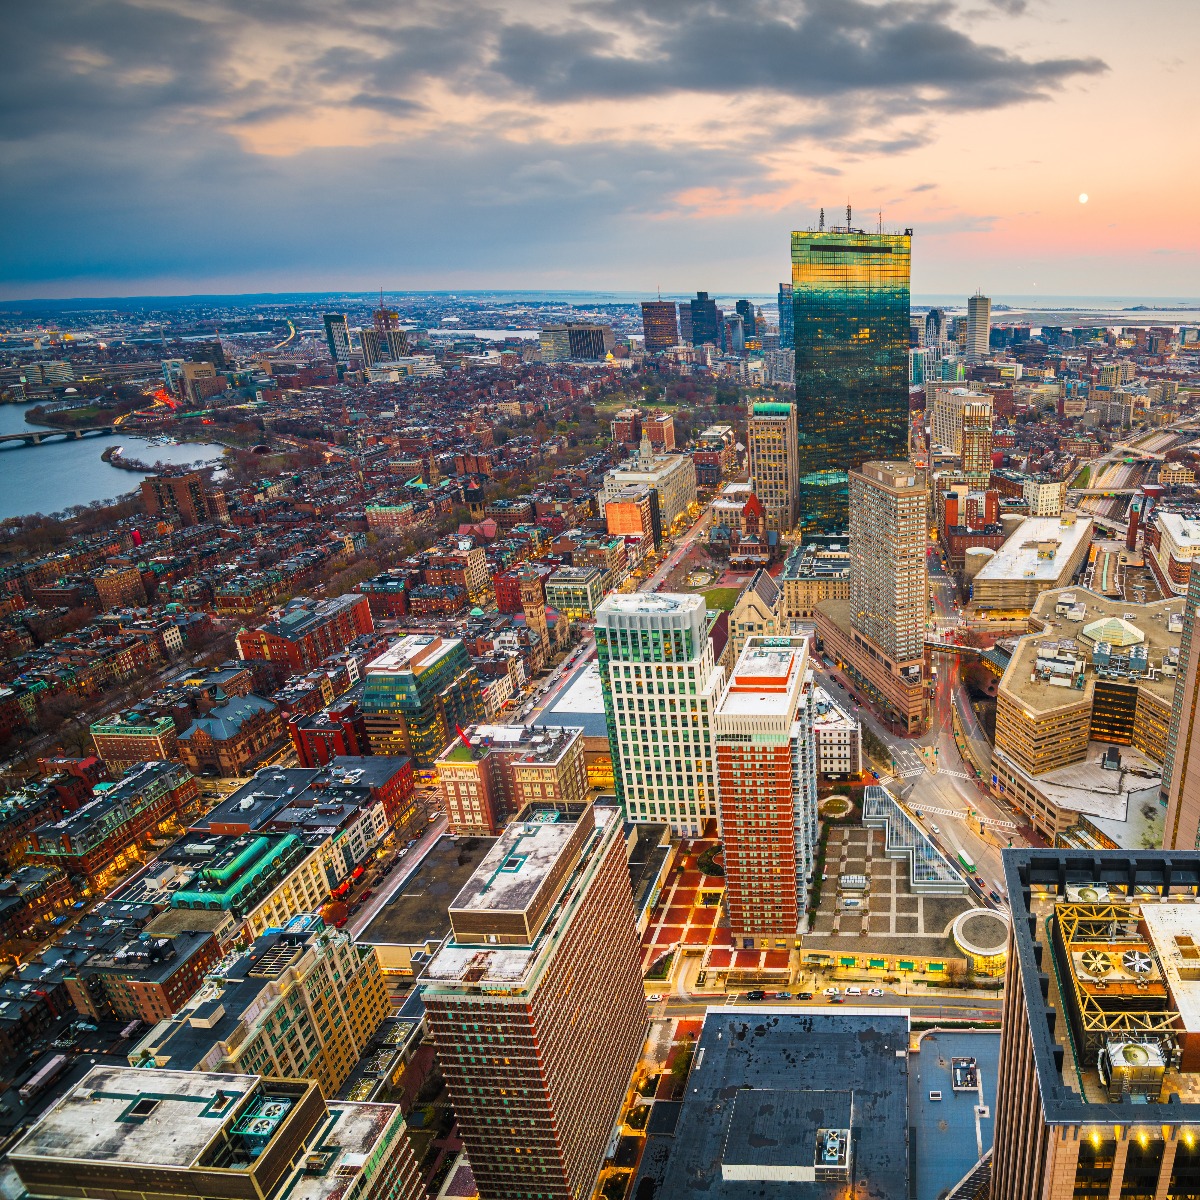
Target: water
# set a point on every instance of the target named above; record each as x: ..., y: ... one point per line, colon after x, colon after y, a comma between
x: 59, y: 475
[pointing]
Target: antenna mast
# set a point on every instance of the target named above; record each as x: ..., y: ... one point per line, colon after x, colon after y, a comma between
x: 821, y: 226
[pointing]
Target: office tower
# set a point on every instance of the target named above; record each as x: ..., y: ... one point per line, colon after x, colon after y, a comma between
x: 303, y: 1002
x: 672, y: 476
x: 416, y: 692
x: 660, y: 682
x: 123, y: 1132
x: 787, y: 318
x: 659, y: 325
x: 576, y: 342
x: 979, y: 328
x: 850, y: 300
x: 685, y: 324
x: 916, y: 331
x: 888, y: 574
x: 947, y: 404
x: 1181, y: 767
x: 745, y: 310
x: 1098, y: 1085
x: 337, y: 337
x: 766, y: 770
x: 935, y: 329
x: 771, y: 443
x: 706, y: 321
x: 383, y: 345
x: 536, y: 1002
x: 977, y: 441
x: 734, y: 334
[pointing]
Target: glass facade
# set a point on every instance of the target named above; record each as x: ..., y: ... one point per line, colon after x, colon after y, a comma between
x: 850, y: 297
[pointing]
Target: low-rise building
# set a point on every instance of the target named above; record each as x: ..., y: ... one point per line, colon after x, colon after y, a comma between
x: 818, y: 569
x: 575, y: 591
x: 231, y: 736
x: 839, y: 738
x: 132, y: 737
x: 1043, y: 554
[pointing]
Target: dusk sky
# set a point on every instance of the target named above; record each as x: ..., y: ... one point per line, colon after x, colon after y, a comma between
x: 171, y: 146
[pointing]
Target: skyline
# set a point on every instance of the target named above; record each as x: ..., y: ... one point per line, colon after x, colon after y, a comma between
x: 520, y: 147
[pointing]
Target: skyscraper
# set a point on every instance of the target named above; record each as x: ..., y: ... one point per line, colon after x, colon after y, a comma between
x: 1181, y: 767
x: 979, y: 327
x: 935, y: 329
x: 536, y: 1002
x: 706, y: 320
x: 660, y: 682
x: 787, y: 318
x: 1098, y: 1083
x: 382, y: 345
x: 771, y: 442
x: 745, y: 310
x: 850, y: 305
x: 734, y: 331
x: 977, y: 441
x: 766, y: 767
x: 576, y: 341
x: 659, y: 325
x: 337, y: 336
x: 888, y: 574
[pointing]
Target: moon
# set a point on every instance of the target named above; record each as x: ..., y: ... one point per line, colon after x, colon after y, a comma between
x: 1083, y: 197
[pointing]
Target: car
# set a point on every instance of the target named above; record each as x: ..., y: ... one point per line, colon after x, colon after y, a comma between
x: 804, y: 995
x: 874, y: 991
x: 837, y: 999
x: 854, y: 991
x: 366, y: 894
x: 995, y: 897
x: 401, y: 853
x: 831, y: 991
x: 756, y: 995
x: 841, y: 685
x: 654, y: 998
x: 783, y: 995
x: 934, y: 828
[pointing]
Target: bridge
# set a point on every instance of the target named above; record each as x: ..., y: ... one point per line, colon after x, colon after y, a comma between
x: 35, y: 437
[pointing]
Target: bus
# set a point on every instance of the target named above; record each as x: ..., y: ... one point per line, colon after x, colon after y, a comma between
x: 966, y: 862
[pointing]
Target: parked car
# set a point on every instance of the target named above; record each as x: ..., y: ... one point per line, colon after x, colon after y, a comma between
x: 783, y: 995
x: 854, y: 991
x: 804, y: 995
x: 654, y: 998
x: 874, y: 991
x: 756, y: 995
x: 831, y: 991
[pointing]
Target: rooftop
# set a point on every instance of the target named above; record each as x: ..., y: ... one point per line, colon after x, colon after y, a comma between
x: 1039, y: 549
x: 414, y: 652
x: 580, y: 703
x: 766, y: 678
x: 763, y: 1083
x: 642, y: 603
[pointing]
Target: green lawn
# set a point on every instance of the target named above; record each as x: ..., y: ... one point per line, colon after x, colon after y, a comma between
x: 1082, y: 479
x: 721, y: 598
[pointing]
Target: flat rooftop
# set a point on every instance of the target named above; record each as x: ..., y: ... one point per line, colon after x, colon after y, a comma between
x: 1019, y: 557
x: 649, y: 603
x: 91, y: 1122
x: 1091, y: 614
x: 1174, y: 930
x: 580, y: 703
x: 764, y: 680
x: 763, y: 1082
x: 418, y: 912
x: 414, y: 652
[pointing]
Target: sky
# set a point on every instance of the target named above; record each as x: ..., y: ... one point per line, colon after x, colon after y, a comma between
x: 171, y: 146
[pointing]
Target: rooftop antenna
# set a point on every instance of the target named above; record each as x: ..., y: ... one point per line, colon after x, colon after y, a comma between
x: 821, y: 225
x: 847, y: 216
x: 881, y: 221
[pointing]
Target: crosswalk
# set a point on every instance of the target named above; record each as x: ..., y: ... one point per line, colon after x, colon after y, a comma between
x: 962, y: 816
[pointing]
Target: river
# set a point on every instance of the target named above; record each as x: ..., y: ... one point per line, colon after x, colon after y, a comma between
x: 60, y: 474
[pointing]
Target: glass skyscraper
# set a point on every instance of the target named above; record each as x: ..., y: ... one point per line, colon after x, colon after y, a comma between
x: 850, y: 294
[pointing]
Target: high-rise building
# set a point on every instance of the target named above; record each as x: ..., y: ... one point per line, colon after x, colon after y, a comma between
x: 660, y: 683
x: 850, y: 300
x: 337, y: 337
x: 935, y: 329
x: 766, y: 768
x: 416, y: 692
x: 734, y: 333
x: 946, y: 403
x: 302, y: 1003
x: 745, y: 310
x: 188, y: 499
x: 1098, y: 1084
x: 576, y: 342
x: 536, y: 1002
x: 771, y: 442
x: 383, y: 345
x: 979, y: 328
x: 1181, y: 767
x: 889, y: 588
x: 672, y: 476
x: 685, y: 324
x: 706, y: 320
x: 787, y: 318
x: 125, y: 1132
x: 977, y: 441
x: 660, y: 325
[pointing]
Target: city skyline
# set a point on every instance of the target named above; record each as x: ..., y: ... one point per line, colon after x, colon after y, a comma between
x: 514, y: 148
